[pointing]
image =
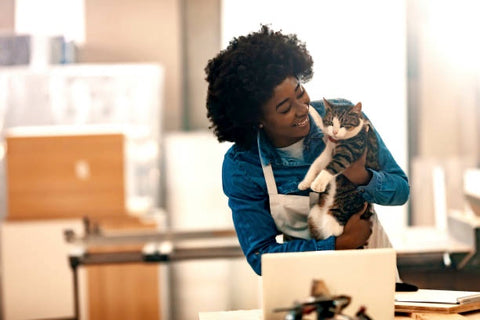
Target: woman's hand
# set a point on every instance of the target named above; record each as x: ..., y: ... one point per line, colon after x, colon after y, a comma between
x: 355, y: 233
x: 357, y: 173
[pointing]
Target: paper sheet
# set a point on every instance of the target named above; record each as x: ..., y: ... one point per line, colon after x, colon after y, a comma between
x: 438, y: 296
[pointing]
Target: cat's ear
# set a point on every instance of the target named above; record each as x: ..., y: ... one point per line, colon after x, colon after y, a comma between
x: 326, y: 104
x: 358, y: 107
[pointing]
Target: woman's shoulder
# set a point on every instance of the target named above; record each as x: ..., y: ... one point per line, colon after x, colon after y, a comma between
x: 242, y: 173
x: 318, y: 105
x: 237, y: 158
x: 235, y: 152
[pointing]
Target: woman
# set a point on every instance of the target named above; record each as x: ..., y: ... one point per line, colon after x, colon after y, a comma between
x: 256, y: 100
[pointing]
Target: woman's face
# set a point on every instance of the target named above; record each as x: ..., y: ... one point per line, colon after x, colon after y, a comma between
x: 285, y: 116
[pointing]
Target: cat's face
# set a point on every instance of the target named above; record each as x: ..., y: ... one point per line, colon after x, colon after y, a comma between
x: 342, y: 121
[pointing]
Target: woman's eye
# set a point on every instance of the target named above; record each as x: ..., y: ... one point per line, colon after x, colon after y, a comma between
x: 302, y: 93
x: 284, y: 109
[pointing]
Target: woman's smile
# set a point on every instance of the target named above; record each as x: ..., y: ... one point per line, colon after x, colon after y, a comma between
x: 302, y: 123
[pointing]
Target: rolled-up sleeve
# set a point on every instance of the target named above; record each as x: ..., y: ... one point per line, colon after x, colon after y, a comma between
x: 388, y: 186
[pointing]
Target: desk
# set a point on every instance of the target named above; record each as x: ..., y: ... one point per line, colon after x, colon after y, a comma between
x: 171, y: 247
x: 412, y: 250
x: 257, y: 315
x: 433, y: 259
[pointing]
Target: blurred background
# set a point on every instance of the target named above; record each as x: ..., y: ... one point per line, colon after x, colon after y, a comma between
x: 77, y: 74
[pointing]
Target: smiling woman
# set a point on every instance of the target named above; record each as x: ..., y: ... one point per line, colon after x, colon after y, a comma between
x: 256, y: 100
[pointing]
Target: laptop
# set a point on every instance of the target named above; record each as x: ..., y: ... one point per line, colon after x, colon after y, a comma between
x: 367, y: 276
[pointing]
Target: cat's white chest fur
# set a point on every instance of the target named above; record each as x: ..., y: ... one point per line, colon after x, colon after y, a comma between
x: 323, y: 225
x: 319, y: 184
x: 317, y: 178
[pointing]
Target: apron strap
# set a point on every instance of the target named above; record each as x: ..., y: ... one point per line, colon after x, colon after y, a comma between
x: 267, y: 171
x: 269, y: 179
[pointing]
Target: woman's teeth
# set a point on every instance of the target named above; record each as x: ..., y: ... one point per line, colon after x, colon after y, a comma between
x: 301, y: 124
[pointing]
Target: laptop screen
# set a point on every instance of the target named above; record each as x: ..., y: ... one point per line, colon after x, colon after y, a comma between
x: 367, y: 276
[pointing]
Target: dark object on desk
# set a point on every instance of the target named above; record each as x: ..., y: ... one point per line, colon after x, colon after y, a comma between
x: 405, y: 287
x: 362, y: 315
x: 325, y: 308
x: 323, y: 304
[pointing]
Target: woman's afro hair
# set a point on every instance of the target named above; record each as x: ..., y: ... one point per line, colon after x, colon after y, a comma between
x: 241, y: 79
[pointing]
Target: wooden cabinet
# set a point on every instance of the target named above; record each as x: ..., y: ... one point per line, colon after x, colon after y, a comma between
x: 54, y: 181
x: 63, y: 175
x: 123, y: 291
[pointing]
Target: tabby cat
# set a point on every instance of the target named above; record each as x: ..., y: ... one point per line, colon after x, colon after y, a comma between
x: 347, y: 134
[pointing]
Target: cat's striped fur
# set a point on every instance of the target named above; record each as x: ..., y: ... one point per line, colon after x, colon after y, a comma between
x: 348, y: 133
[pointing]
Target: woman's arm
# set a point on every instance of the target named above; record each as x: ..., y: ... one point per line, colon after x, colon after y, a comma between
x: 256, y: 232
x: 245, y: 188
x: 244, y: 185
x: 388, y: 186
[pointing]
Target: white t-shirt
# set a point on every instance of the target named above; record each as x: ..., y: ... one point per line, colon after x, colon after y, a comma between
x: 292, y: 151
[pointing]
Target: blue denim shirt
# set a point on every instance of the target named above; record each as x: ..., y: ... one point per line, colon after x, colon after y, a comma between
x: 245, y: 187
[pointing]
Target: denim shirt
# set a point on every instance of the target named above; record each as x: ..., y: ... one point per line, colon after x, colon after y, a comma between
x: 244, y: 185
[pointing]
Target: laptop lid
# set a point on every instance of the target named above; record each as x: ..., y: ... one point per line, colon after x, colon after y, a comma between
x: 367, y: 276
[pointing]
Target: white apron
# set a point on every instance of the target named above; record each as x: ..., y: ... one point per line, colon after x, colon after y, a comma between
x: 290, y: 212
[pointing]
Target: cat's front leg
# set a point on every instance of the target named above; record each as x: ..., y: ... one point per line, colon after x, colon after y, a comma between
x: 309, y: 177
x: 321, y: 181
x: 319, y: 164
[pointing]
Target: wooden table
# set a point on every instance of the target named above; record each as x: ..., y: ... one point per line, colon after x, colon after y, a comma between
x: 256, y: 314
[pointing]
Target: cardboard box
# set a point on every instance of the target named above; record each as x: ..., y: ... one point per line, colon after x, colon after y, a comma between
x: 65, y: 176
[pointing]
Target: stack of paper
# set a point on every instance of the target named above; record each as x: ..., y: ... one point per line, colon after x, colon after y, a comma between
x: 444, y: 301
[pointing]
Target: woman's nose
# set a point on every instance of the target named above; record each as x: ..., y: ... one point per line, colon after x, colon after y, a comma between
x: 301, y: 108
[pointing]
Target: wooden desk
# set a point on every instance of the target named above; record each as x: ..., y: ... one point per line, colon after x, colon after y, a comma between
x: 257, y: 315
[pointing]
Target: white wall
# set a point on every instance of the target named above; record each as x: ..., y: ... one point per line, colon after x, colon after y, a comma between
x: 195, y: 201
x: 359, y: 52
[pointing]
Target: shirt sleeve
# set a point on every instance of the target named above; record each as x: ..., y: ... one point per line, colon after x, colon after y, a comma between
x: 388, y: 186
x: 255, y: 227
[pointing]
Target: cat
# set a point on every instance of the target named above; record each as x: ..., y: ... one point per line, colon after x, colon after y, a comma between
x: 348, y: 133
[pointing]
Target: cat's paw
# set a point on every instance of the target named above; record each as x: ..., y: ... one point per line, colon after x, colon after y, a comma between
x: 321, y: 182
x: 304, y: 185
x: 319, y: 186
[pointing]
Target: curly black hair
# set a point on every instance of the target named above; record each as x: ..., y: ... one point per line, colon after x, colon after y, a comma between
x: 241, y: 79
